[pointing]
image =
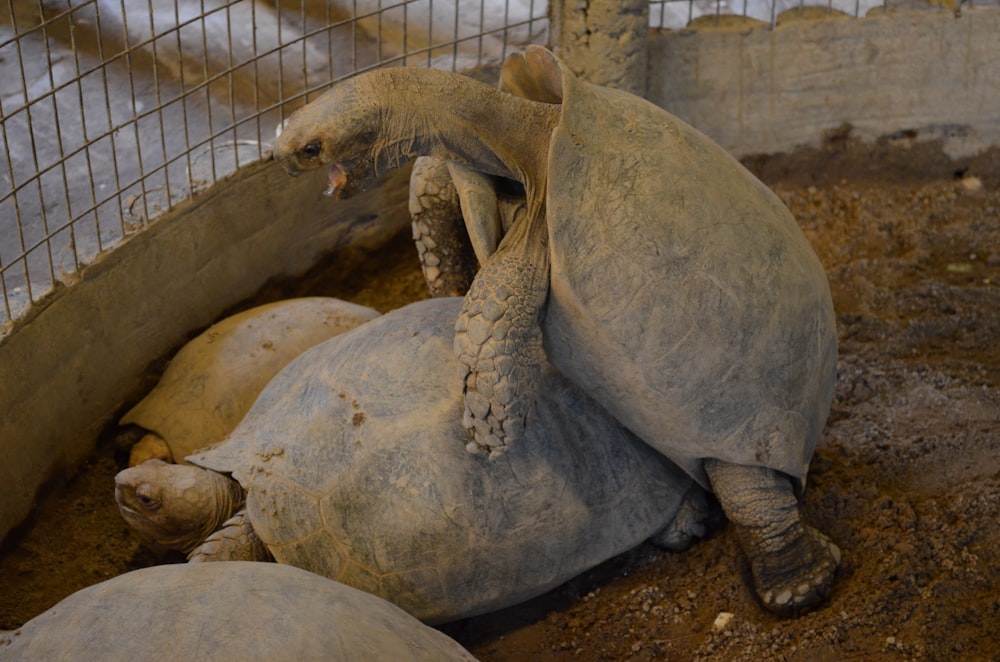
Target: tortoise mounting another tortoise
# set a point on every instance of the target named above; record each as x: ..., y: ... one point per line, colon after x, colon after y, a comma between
x: 658, y: 273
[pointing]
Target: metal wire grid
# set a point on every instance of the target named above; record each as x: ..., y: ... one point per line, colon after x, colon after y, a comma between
x: 112, y: 111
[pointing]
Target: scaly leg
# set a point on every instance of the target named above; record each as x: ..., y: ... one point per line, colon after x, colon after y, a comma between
x: 235, y: 541
x: 498, y: 336
x: 793, y: 564
x: 446, y: 256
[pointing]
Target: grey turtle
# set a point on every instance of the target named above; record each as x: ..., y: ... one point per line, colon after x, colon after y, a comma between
x: 211, y: 382
x: 225, y: 611
x: 663, y: 278
x: 352, y: 467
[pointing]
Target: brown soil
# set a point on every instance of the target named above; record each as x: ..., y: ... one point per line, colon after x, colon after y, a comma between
x: 906, y: 478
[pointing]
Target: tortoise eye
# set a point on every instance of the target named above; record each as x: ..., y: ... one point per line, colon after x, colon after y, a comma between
x: 312, y: 150
x: 145, y: 498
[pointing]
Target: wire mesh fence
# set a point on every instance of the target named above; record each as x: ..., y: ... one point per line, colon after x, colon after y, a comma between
x: 112, y: 112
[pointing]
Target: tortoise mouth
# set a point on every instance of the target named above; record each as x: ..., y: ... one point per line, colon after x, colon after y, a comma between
x: 136, y: 497
x: 345, y: 179
x: 122, y: 497
x: 337, y: 180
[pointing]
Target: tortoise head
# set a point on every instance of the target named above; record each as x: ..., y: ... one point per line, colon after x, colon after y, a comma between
x: 339, y: 129
x: 175, y: 506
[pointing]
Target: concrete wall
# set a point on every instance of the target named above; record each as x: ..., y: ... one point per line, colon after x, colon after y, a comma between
x: 757, y: 90
x: 81, y: 354
x: 604, y: 41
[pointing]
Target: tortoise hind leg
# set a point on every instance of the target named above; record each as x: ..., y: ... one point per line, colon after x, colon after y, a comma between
x: 234, y: 541
x: 793, y: 564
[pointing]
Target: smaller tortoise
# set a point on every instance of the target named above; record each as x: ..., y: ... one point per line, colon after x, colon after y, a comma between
x: 351, y: 466
x: 212, y: 381
x: 225, y: 611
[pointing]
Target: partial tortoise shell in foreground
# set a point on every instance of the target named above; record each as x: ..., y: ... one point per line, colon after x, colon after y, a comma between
x: 225, y: 611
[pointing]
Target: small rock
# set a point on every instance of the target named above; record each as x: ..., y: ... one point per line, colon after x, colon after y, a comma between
x: 972, y: 183
x: 722, y: 621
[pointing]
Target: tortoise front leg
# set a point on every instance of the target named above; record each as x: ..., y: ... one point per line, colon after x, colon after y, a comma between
x: 498, y: 336
x: 446, y: 254
x: 234, y: 541
x: 793, y: 564
x: 150, y: 447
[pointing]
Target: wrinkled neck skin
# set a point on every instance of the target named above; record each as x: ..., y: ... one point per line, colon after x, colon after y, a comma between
x: 426, y: 112
x: 225, y: 496
x: 176, y: 506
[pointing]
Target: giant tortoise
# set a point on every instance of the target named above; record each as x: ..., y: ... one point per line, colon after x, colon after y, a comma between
x: 662, y: 277
x: 350, y: 464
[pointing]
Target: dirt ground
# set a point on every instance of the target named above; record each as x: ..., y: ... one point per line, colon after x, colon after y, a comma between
x: 906, y: 479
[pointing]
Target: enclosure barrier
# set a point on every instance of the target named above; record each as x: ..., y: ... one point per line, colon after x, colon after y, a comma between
x: 135, y: 205
x: 111, y: 112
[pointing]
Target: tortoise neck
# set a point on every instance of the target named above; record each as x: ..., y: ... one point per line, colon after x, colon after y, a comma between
x: 227, y: 497
x: 426, y: 112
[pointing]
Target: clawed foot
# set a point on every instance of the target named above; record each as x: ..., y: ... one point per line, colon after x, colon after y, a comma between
x: 795, y: 582
x: 498, y: 335
x: 793, y: 564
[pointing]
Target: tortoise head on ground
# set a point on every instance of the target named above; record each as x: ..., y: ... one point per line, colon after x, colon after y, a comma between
x: 659, y: 275
x: 231, y: 611
x: 353, y: 467
x: 175, y: 506
x: 212, y: 381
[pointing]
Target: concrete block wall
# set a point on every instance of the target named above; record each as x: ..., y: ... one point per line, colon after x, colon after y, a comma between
x: 925, y: 72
